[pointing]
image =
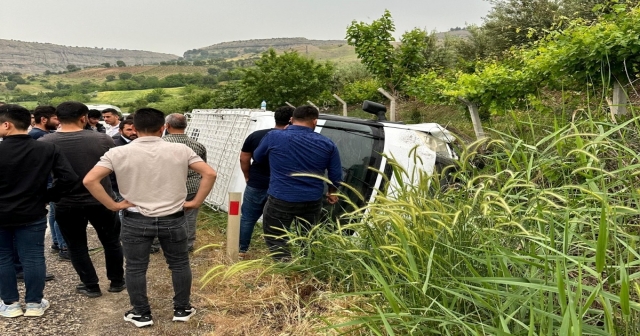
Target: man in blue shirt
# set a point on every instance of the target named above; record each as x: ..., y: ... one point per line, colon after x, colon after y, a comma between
x: 257, y: 177
x: 297, y: 149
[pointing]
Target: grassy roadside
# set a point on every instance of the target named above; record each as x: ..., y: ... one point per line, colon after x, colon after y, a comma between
x: 250, y: 302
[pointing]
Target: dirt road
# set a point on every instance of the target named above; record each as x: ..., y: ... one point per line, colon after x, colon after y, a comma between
x: 74, y: 314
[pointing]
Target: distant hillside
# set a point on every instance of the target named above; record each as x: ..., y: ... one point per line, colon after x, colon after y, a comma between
x: 34, y: 57
x: 333, y: 50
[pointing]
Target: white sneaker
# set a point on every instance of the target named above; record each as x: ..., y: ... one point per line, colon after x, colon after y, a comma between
x: 183, y: 314
x: 36, y: 309
x: 12, y: 310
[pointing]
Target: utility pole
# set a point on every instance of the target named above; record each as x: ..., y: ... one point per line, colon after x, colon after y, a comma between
x: 344, y: 105
x: 392, y: 99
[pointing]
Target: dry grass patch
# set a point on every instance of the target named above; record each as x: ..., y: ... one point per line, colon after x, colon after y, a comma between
x: 247, y: 300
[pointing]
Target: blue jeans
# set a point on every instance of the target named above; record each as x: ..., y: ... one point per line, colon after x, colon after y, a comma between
x: 253, y: 203
x: 29, y: 241
x: 137, y: 235
x: 56, y: 235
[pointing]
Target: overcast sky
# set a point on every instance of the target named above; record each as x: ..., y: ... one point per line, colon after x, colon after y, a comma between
x: 176, y: 26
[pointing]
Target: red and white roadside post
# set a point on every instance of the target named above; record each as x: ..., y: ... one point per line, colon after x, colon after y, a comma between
x: 233, y: 226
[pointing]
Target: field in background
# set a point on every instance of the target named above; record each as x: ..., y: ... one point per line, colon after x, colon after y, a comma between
x: 121, y: 97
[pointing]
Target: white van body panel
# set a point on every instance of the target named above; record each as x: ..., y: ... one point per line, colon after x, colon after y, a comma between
x: 207, y: 126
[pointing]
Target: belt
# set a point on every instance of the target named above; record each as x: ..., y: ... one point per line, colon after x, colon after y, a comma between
x: 138, y: 215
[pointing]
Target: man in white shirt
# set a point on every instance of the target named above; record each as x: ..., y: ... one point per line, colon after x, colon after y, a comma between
x: 152, y: 175
x: 112, y: 119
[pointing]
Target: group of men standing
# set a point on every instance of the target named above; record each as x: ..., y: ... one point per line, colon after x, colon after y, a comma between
x: 160, y: 185
x: 275, y: 190
x: 138, y: 188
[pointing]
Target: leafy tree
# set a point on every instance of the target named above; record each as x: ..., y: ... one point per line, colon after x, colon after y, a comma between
x: 373, y: 46
x: 106, y: 65
x: 11, y: 85
x: 286, y: 78
x: 17, y: 78
x: 110, y: 78
x: 121, y: 64
x: 213, y: 71
x: 125, y: 75
x: 392, y: 66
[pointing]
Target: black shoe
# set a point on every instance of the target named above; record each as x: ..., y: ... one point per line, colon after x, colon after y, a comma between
x: 183, y: 314
x: 47, y: 277
x: 139, y: 320
x: 89, y: 292
x: 117, y: 287
x: 55, y: 248
x: 63, y: 255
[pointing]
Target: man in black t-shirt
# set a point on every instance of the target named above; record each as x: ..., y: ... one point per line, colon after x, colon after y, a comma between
x: 83, y: 149
x: 257, y: 177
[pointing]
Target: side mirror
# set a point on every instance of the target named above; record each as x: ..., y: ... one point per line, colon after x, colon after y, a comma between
x: 376, y: 109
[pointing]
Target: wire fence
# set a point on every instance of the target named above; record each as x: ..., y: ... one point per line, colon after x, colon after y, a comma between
x: 222, y: 132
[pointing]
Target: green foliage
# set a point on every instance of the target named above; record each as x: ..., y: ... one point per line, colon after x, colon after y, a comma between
x: 538, y: 242
x: 11, y: 85
x: 607, y: 49
x: 583, y: 52
x: 124, y: 75
x: 361, y: 90
x: 373, y: 46
x: 120, y: 64
x: 286, y: 78
x: 72, y: 68
x: 110, y: 78
x: 74, y: 96
x: 155, y: 96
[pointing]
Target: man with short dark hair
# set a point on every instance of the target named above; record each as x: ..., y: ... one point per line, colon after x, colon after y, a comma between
x: 127, y: 133
x: 112, y: 119
x: 25, y: 166
x: 46, y: 121
x: 297, y: 149
x: 152, y: 175
x: 93, y: 122
x: 83, y: 149
x: 176, y: 124
x: 257, y: 177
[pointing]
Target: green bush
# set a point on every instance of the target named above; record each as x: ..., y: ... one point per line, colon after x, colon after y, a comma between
x: 361, y: 90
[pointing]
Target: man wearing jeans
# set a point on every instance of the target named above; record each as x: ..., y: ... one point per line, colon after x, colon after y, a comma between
x: 176, y: 124
x: 83, y: 149
x: 297, y: 149
x: 25, y: 166
x: 257, y: 177
x: 152, y: 175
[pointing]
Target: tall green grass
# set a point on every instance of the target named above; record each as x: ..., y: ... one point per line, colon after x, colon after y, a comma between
x: 536, y: 235
x: 541, y: 241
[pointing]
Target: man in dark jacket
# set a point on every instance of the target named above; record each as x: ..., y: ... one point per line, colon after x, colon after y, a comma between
x: 25, y: 166
x: 93, y: 122
x: 127, y: 133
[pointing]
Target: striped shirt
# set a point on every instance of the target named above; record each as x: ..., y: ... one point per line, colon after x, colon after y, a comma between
x: 193, y: 178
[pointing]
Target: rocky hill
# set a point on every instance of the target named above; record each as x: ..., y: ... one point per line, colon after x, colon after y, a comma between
x: 34, y: 57
x: 334, y: 50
